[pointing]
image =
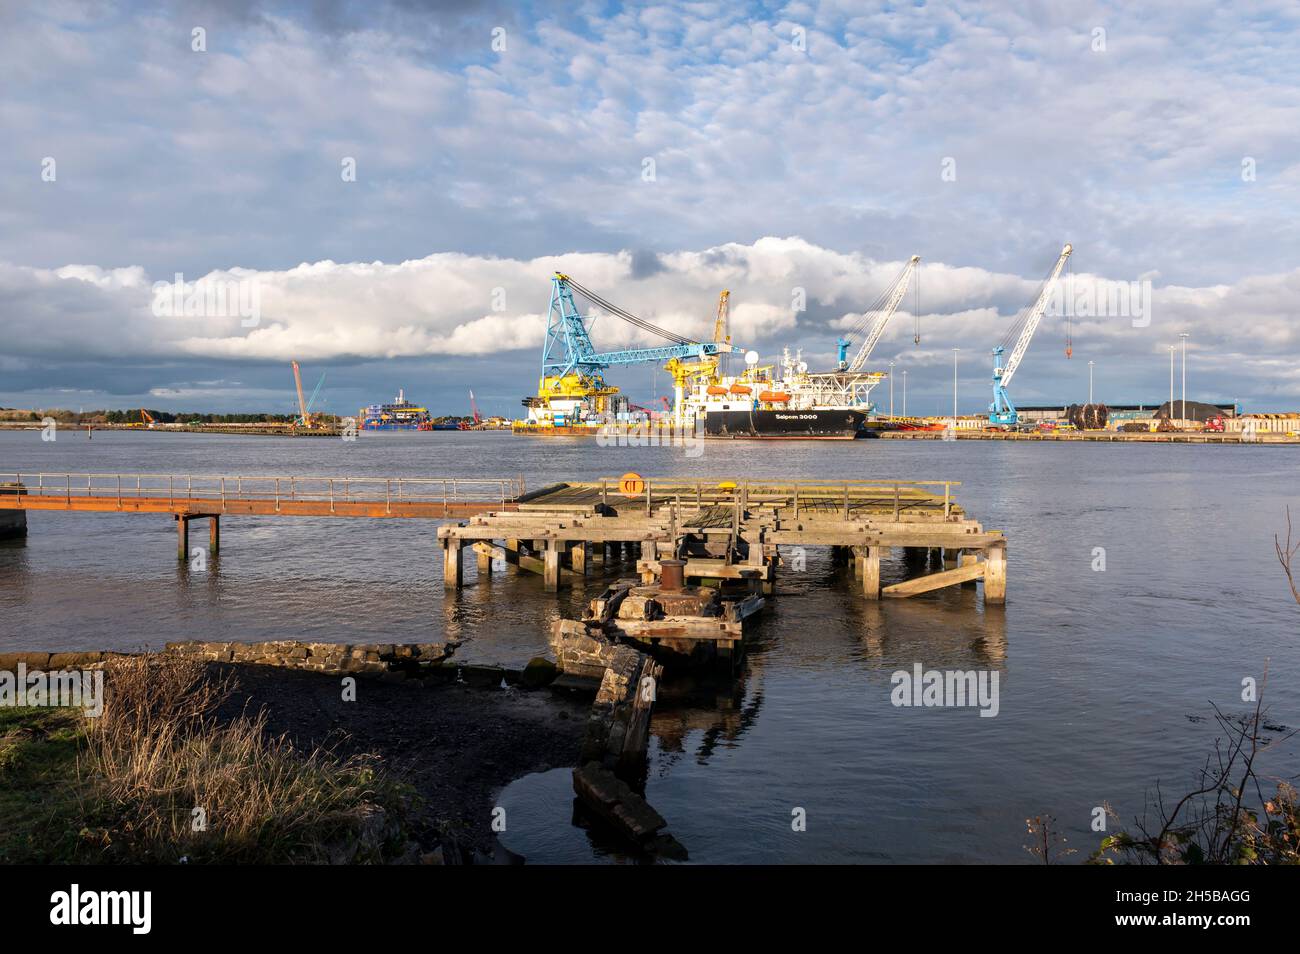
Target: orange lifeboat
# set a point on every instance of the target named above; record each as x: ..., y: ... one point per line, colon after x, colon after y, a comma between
x: 741, y: 389
x: 773, y: 397
x: 716, y: 389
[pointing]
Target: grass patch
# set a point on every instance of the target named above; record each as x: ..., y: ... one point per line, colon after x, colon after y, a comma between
x: 158, y: 779
x: 39, y: 803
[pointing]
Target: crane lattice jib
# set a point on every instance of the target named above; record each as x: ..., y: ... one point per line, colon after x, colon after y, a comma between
x: 888, y: 306
x: 568, y: 345
x: 720, y: 325
x: 1035, y: 316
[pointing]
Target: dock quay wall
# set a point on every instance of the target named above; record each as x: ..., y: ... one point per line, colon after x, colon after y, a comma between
x: 288, y: 654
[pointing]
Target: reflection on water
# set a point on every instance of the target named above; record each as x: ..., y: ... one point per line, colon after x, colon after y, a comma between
x: 1099, y: 671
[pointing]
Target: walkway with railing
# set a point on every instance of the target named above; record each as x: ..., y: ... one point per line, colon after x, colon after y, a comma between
x: 206, y: 495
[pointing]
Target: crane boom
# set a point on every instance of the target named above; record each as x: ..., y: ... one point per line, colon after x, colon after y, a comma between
x: 302, y: 404
x: 720, y: 333
x: 1002, y: 411
x: 1035, y: 316
x: 568, y: 347
x: 888, y: 305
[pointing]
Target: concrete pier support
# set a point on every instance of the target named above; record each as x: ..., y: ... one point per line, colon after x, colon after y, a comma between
x: 995, y: 575
x: 868, y: 568
x: 452, y: 564
x: 13, y: 523
x: 551, y: 567
x: 967, y: 558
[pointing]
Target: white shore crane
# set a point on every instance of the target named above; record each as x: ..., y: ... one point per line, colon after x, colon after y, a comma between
x: 1002, y: 411
x: 875, y: 318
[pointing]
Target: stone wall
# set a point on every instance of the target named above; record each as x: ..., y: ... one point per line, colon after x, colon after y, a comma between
x: 289, y: 654
x: 318, y: 657
x: 579, y: 651
x: 619, y: 726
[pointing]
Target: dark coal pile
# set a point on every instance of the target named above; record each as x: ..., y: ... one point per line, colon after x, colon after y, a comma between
x: 1196, y: 411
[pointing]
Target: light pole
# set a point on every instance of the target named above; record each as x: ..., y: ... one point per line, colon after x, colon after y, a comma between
x: 1183, y: 335
x: 891, y: 390
x: 905, y: 393
x: 954, y: 390
x: 1172, y: 348
x: 1089, y: 382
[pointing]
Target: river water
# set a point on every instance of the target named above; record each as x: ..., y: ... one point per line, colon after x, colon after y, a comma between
x: 1106, y: 676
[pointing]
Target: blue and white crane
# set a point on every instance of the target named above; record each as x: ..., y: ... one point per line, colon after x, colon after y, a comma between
x: 872, y: 324
x: 1002, y: 411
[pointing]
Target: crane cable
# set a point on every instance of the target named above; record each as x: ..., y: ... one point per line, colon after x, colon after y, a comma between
x: 627, y: 316
x: 1068, y: 309
x: 916, y: 325
x: 1022, y: 316
x: 862, y: 326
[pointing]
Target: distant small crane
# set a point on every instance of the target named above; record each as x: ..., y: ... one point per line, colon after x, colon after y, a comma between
x: 304, y: 406
x: 473, y: 406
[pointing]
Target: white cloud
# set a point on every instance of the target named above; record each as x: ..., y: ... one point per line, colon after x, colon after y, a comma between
x: 442, y: 306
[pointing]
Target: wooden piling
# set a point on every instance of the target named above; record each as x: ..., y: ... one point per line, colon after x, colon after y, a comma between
x: 995, y: 574
x: 578, y: 557
x: 551, y: 568
x: 182, y: 537
x: 870, y: 563
x: 452, y: 564
x: 967, y: 558
x: 214, y: 534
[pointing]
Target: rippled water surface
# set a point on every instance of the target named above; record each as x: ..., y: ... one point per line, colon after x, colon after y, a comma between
x: 1106, y: 678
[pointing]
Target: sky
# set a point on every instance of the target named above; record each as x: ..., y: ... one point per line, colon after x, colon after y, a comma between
x: 382, y: 191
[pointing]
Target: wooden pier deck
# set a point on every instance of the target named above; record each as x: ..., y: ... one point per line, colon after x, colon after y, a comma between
x: 735, y: 530
x: 726, y: 530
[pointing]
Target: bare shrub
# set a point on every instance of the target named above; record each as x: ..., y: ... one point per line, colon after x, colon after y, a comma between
x: 171, y: 781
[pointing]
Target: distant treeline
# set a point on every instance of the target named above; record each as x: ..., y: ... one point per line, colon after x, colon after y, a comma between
x: 133, y: 416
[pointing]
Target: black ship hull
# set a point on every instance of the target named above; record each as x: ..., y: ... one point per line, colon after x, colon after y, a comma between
x: 820, y: 425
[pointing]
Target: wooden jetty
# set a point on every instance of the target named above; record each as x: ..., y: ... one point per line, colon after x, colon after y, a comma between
x: 734, y: 530
x: 728, y: 532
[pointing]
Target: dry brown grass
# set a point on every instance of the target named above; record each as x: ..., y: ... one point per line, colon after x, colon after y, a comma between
x: 158, y: 753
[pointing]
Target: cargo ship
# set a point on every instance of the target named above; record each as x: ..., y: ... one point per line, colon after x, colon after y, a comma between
x: 797, y: 404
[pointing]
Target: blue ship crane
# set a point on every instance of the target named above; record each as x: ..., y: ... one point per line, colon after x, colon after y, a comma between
x: 568, y: 348
x: 1002, y: 411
